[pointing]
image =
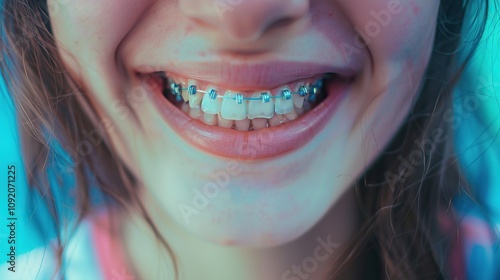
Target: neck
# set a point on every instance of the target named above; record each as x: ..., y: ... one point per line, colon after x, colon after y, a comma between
x: 308, y: 257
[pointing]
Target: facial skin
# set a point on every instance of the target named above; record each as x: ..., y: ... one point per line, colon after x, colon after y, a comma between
x: 267, y: 202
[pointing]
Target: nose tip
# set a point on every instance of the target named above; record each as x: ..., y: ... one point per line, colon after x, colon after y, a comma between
x: 244, y: 20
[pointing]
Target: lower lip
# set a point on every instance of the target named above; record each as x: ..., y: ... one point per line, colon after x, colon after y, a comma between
x: 259, y: 144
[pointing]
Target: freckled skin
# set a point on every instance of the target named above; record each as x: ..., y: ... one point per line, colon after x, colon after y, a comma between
x: 101, y: 43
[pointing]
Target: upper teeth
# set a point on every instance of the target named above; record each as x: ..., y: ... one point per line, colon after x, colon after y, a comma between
x: 210, y: 104
x: 234, y: 105
x: 264, y: 109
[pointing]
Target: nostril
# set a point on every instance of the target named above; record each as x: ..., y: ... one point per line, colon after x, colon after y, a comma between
x: 280, y: 23
x: 248, y: 34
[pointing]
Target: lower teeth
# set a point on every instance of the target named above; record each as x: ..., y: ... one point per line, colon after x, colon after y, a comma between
x: 240, y: 118
x: 245, y: 124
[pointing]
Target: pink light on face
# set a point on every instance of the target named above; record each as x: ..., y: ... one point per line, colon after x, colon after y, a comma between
x: 188, y: 33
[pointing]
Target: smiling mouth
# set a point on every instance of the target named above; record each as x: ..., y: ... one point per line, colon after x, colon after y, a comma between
x: 247, y: 123
x: 245, y: 110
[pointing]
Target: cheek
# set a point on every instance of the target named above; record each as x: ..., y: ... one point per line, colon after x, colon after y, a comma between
x: 411, y: 30
x: 90, y: 31
x: 395, y: 28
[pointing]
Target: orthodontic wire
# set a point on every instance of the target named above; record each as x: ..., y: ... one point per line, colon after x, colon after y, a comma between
x: 310, y: 90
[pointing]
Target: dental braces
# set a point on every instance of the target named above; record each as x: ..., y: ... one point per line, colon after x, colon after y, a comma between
x: 310, y: 90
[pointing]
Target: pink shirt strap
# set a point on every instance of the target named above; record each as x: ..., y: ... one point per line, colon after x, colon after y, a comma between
x: 110, y: 253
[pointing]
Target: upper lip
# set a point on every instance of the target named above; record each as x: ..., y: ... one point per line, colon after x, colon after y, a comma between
x: 250, y: 75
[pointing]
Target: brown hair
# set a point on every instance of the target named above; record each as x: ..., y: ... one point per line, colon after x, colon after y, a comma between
x: 400, y: 205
